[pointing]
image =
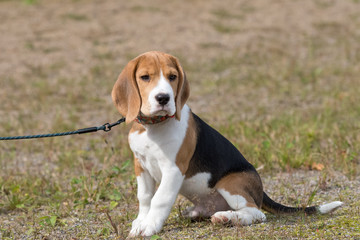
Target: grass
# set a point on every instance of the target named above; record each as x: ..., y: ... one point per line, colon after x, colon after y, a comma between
x: 224, y: 28
x: 287, y: 97
x: 76, y: 17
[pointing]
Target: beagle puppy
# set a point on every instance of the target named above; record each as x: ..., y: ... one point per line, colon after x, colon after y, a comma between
x: 174, y: 148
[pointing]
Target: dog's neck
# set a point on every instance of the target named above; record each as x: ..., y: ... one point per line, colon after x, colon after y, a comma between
x: 151, y: 120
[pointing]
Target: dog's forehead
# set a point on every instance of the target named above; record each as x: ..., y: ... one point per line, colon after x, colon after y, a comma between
x: 152, y: 63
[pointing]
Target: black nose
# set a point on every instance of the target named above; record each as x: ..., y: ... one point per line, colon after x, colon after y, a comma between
x: 162, y: 98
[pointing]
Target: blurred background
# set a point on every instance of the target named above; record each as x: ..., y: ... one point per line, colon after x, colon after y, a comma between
x: 280, y: 79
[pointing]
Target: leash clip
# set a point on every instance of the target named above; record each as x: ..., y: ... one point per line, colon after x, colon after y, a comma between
x: 107, y: 126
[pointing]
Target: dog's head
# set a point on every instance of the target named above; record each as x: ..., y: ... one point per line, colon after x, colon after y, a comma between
x: 154, y: 84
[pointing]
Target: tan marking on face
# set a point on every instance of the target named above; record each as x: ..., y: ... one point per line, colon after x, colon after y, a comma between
x: 152, y: 64
x: 187, y: 148
x: 245, y: 184
x: 137, y: 167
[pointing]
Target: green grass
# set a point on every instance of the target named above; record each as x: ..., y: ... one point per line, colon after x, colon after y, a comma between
x: 76, y: 17
x: 286, y: 97
x: 224, y: 28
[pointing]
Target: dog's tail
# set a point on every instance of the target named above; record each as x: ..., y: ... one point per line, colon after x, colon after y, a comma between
x: 277, y: 208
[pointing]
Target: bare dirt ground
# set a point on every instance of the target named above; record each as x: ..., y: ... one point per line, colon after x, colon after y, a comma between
x: 279, y: 78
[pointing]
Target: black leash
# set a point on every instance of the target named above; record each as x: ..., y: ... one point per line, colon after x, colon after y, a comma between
x: 106, y: 128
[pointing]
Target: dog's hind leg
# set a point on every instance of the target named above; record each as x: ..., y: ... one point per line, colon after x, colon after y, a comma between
x: 246, y: 215
x: 243, y: 192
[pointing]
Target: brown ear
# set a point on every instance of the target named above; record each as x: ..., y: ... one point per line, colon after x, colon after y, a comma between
x: 125, y: 93
x: 183, y: 89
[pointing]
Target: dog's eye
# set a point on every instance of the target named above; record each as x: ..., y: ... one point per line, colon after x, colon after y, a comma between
x: 145, y: 77
x: 172, y: 77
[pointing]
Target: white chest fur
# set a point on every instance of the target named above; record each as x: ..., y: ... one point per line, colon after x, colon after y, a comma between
x: 157, y: 147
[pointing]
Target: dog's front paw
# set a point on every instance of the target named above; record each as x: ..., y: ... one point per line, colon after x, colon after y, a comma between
x: 145, y: 228
x: 149, y: 230
x: 136, y: 227
x: 150, y: 226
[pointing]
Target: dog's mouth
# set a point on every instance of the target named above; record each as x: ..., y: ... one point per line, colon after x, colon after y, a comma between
x: 153, y: 119
x: 157, y: 110
x: 161, y: 111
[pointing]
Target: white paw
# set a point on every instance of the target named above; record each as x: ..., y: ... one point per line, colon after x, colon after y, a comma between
x: 145, y: 228
x: 149, y: 227
x: 149, y: 230
x: 221, y: 217
x: 136, y: 227
x: 244, y: 217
